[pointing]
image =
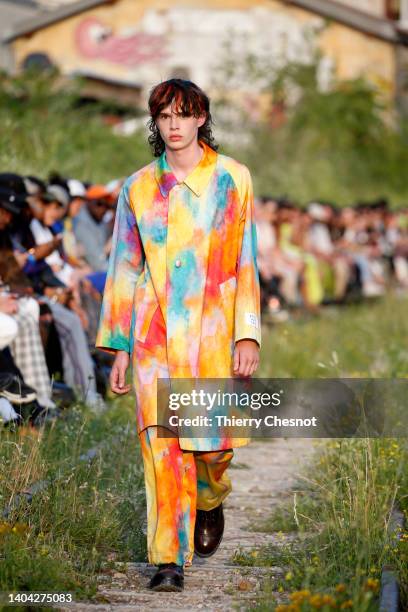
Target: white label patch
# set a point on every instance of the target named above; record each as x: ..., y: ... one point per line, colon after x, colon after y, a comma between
x: 251, y: 319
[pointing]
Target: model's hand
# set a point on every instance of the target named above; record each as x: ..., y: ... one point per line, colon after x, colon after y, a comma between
x: 246, y: 357
x: 118, y: 373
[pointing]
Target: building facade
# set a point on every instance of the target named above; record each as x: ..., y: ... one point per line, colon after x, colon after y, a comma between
x: 133, y: 45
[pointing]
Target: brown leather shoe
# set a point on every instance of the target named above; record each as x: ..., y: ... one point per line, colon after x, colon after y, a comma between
x: 169, y: 577
x: 209, y: 529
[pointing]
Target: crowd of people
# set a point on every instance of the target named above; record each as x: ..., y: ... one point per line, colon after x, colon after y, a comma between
x: 322, y: 254
x: 55, y: 239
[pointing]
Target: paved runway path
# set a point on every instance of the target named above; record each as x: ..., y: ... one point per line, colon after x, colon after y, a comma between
x: 264, y: 470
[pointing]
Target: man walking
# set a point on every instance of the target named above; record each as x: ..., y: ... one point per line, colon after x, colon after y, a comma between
x: 182, y: 300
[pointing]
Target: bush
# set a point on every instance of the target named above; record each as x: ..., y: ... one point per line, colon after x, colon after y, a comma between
x: 341, y: 143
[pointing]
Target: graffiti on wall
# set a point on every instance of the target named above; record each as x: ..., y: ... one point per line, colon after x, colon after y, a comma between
x: 96, y: 40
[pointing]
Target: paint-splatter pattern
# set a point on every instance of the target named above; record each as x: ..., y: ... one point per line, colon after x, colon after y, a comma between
x: 182, y: 284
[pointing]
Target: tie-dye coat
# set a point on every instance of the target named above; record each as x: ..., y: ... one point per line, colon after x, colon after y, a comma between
x: 182, y: 284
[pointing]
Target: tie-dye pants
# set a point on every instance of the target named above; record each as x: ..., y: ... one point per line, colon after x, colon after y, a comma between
x: 177, y: 483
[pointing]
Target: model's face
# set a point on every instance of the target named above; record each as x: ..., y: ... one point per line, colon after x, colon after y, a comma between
x: 178, y: 131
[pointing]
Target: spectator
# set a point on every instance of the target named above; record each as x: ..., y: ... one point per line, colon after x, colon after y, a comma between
x: 294, y: 244
x: 77, y: 362
x: 331, y: 260
x: 90, y: 227
x: 279, y: 276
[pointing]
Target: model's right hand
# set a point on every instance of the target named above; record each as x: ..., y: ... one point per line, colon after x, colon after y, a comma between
x: 118, y: 373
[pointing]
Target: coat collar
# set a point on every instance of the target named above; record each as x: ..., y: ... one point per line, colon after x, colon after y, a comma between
x: 198, y: 178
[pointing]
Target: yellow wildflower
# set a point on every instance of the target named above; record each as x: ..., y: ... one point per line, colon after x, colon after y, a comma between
x: 5, y: 528
x: 316, y: 601
x: 372, y: 584
x: 20, y: 528
x: 340, y: 588
x: 328, y: 600
x: 346, y: 604
x: 299, y: 596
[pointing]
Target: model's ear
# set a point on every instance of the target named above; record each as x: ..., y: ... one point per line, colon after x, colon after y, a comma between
x: 202, y: 119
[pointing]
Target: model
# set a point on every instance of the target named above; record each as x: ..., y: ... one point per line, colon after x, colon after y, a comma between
x: 182, y: 300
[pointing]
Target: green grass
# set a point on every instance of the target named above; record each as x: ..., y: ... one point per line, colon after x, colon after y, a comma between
x: 92, y: 511
x: 45, y: 130
x: 339, y: 512
x: 361, y: 340
x: 340, y: 508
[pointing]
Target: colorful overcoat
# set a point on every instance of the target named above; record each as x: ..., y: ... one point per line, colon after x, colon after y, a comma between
x: 182, y: 283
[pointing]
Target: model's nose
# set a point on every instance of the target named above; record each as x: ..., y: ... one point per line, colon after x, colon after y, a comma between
x: 174, y: 121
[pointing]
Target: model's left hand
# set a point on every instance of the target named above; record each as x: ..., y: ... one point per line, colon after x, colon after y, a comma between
x: 246, y: 357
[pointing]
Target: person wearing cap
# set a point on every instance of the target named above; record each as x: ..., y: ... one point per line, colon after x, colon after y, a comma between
x: 54, y: 205
x: 73, y: 250
x: 91, y: 230
x: 12, y: 196
x: 55, y: 202
x: 8, y: 207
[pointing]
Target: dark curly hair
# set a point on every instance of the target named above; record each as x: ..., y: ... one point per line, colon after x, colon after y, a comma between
x: 190, y: 99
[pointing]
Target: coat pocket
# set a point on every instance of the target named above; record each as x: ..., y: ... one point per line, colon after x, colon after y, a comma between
x: 145, y: 305
x: 144, y: 316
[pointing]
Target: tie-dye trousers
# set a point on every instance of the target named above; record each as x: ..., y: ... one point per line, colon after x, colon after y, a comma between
x: 179, y: 482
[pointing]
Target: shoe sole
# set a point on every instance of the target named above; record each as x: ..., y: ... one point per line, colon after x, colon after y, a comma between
x: 14, y: 399
x: 169, y: 588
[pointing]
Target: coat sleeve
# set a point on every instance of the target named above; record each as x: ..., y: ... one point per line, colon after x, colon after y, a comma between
x: 126, y: 262
x: 247, y: 302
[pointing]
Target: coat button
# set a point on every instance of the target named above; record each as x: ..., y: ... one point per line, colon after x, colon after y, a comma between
x: 177, y: 263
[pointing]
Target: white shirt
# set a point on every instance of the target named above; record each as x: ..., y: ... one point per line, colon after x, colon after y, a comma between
x: 42, y: 235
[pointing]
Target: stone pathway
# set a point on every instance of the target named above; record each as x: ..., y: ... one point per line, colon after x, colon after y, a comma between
x: 264, y: 470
